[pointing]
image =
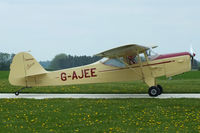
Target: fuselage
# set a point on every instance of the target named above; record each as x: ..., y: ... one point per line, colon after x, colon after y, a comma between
x: 99, y: 72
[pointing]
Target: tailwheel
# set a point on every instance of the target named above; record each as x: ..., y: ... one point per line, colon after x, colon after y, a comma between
x: 16, y: 93
x: 161, y: 89
x: 154, y: 91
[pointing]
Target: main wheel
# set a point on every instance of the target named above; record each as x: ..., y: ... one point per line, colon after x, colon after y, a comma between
x: 154, y: 91
x: 17, y: 93
x: 161, y: 89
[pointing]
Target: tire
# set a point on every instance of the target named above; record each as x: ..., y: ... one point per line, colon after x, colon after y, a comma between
x: 154, y: 91
x: 16, y: 93
x: 161, y: 89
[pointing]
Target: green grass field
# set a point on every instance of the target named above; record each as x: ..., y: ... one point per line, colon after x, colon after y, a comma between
x: 101, y: 115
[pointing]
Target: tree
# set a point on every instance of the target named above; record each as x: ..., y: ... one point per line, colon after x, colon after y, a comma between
x: 59, y: 62
x: 45, y: 64
x: 195, y: 64
x: 5, y: 60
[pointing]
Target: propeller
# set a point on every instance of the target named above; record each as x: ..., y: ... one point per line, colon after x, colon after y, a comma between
x: 192, y: 53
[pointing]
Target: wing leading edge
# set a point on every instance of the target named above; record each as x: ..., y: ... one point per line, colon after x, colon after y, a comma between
x: 131, y: 49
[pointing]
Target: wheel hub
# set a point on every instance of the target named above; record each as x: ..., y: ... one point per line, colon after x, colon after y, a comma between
x: 153, y: 91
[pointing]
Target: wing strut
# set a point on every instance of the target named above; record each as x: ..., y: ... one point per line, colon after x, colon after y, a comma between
x: 140, y: 62
x: 130, y: 67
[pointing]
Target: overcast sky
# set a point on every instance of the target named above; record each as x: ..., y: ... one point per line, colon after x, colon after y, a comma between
x: 87, y: 27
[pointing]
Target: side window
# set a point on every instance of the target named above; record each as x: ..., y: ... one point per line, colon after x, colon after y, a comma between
x: 114, y: 62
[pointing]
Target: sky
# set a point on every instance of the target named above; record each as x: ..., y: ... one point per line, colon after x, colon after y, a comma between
x: 87, y: 27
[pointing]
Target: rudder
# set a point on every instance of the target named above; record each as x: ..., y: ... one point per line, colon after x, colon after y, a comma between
x: 22, y: 67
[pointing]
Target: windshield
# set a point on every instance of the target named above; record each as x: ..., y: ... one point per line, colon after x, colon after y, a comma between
x: 152, y: 54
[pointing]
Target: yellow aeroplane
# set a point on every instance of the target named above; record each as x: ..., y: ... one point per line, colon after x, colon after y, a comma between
x: 126, y: 63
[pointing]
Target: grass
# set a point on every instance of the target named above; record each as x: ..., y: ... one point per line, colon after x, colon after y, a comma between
x: 103, y: 116
x: 4, y: 75
x: 185, y: 83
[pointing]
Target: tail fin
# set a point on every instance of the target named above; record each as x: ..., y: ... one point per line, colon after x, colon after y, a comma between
x: 22, y: 67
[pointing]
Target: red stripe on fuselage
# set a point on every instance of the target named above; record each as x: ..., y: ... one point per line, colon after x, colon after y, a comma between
x: 171, y: 55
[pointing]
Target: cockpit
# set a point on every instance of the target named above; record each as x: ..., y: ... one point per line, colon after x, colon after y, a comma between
x: 130, y: 60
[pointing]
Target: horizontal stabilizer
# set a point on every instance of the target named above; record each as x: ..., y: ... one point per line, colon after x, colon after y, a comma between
x: 36, y: 74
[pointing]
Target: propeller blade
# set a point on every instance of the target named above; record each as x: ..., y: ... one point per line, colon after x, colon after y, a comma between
x: 192, y: 60
x: 192, y: 54
x: 192, y: 51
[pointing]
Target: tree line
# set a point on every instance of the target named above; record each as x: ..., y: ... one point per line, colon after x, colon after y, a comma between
x: 5, y: 61
x: 62, y: 61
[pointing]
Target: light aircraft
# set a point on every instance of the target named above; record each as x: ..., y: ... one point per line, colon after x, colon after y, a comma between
x: 126, y: 63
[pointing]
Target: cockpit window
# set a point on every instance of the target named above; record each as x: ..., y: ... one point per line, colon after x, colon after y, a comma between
x: 151, y: 54
x: 115, y: 62
x: 130, y: 60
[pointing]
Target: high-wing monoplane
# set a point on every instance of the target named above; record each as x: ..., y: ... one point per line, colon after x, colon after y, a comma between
x: 126, y: 63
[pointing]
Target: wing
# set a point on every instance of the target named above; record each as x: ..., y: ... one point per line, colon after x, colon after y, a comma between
x: 127, y: 50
